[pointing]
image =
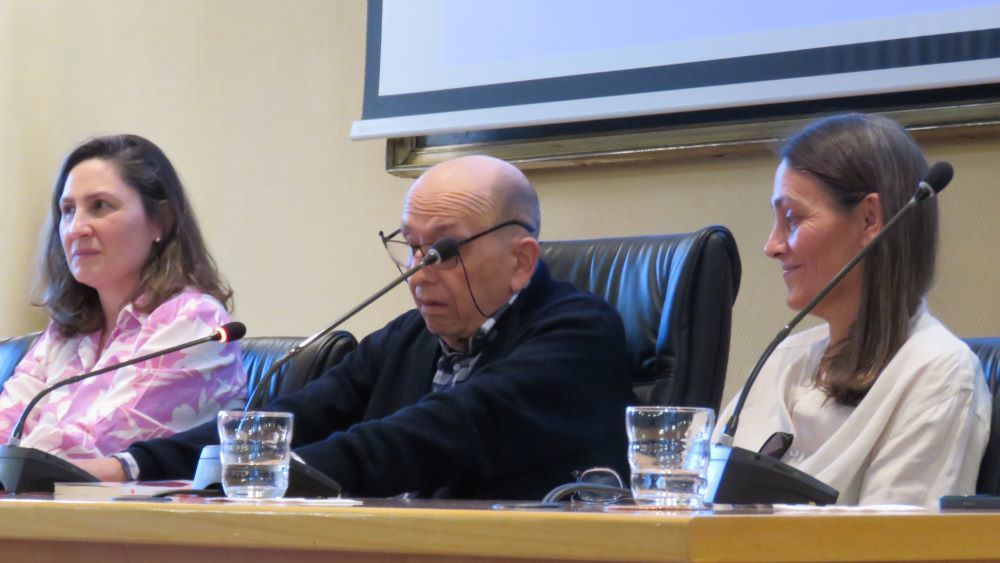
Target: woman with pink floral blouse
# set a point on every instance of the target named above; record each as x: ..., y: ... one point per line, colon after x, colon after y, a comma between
x: 125, y: 273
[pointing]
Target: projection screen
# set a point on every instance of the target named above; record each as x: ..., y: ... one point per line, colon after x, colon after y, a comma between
x: 440, y: 66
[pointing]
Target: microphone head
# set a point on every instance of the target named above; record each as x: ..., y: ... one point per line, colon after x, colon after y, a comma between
x: 231, y: 332
x: 445, y: 249
x: 938, y: 176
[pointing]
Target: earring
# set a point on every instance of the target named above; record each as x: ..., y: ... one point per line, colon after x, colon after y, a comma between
x: 157, y: 240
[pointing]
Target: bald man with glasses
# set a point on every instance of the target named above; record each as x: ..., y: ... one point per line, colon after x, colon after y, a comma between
x: 499, y: 385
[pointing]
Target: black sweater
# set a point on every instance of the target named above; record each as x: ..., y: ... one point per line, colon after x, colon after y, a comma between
x: 546, y: 397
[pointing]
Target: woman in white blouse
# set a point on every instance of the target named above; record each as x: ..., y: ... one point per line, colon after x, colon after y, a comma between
x: 884, y: 403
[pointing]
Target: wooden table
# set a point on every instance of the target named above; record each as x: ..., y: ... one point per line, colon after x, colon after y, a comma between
x: 192, y: 532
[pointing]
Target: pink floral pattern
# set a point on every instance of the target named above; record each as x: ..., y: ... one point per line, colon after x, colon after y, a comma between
x: 152, y: 399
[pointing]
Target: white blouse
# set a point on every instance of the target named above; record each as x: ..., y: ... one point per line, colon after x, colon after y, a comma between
x: 918, y: 434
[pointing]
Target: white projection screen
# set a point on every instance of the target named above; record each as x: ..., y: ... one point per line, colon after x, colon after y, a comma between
x: 442, y: 66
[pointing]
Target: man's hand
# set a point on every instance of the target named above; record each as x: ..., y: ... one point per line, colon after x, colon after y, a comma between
x: 105, y: 468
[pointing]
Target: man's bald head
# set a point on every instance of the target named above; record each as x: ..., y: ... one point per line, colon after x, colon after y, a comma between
x: 487, y: 204
x: 482, y: 188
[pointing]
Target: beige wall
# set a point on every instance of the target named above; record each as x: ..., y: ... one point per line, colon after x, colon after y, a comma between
x: 253, y: 100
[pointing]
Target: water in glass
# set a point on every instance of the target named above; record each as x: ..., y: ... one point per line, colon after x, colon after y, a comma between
x: 255, y: 451
x: 668, y: 454
x: 261, y: 476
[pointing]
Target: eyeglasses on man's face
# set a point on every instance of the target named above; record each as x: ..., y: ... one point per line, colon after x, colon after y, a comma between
x: 404, y: 254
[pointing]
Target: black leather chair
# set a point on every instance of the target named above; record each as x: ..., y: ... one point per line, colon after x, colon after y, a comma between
x: 675, y: 294
x: 988, y: 350
x: 260, y: 352
x: 258, y: 355
x: 11, y: 352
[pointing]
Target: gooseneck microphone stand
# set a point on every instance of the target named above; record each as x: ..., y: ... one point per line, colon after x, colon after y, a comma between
x: 444, y: 249
x: 28, y: 470
x: 303, y: 480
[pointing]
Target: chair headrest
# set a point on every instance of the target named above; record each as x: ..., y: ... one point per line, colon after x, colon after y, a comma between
x: 666, y: 288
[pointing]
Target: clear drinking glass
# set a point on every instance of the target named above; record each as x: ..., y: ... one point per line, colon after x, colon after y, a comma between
x: 255, y: 451
x: 668, y: 452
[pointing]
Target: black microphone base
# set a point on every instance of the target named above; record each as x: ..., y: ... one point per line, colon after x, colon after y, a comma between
x: 739, y: 476
x: 303, y: 481
x: 27, y: 470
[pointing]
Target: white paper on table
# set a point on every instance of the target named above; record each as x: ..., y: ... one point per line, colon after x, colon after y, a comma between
x: 293, y: 501
x: 840, y: 508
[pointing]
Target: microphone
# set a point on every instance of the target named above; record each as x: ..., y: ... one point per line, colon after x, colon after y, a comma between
x: 303, y: 480
x: 440, y: 251
x: 29, y: 470
x: 937, y: 178
x: 739, y: 476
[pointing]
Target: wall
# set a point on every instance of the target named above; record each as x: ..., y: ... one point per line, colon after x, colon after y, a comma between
x: 253, y: 99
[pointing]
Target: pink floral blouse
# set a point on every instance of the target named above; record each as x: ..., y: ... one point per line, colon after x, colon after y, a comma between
x: 156, y: 398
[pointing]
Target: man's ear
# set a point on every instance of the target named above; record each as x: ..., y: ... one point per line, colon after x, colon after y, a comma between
x: 525, y: 251
x: 870, y: 211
